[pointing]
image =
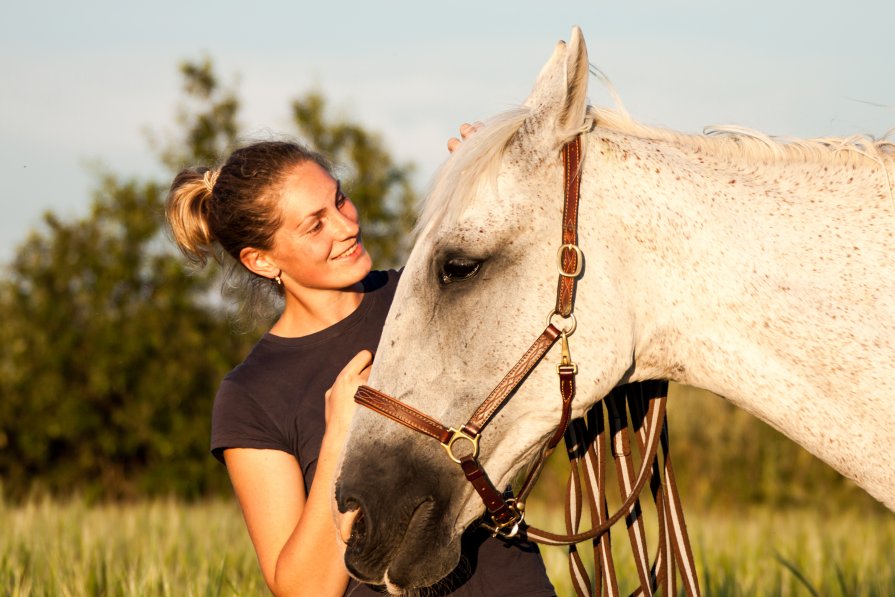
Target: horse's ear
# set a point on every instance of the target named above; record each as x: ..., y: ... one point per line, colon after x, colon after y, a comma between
x: 578, y: 70
x: 561, y: 88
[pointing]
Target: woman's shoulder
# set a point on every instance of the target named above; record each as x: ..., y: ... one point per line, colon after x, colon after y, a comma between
x: 378, y: 279
x: 380, y: 286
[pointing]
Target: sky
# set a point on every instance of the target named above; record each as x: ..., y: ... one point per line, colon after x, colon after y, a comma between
x: 84, y: 85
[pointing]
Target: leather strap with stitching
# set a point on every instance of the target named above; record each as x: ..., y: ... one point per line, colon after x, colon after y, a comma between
x: 401, y: 413
x: 565, y: 290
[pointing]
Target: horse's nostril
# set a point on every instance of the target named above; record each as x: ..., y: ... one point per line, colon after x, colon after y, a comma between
x: 359, y: 529
x: 352, y: 525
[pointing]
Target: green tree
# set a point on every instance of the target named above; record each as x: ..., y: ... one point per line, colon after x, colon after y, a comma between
x: 111, y: 349
x: 207, y: 119
x: 112, y: 356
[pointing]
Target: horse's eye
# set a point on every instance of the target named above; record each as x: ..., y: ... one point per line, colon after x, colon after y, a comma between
x: 458, y: 269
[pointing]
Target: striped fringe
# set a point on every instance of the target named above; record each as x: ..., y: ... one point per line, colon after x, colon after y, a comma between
x: 586, y: 442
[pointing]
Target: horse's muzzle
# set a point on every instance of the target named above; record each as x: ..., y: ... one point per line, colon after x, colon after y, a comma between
x: 393, y: 517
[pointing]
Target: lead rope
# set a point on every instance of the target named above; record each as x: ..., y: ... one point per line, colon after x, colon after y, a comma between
x: 586, y: 447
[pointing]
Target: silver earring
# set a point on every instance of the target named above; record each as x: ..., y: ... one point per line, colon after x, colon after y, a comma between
x: 278, y: 280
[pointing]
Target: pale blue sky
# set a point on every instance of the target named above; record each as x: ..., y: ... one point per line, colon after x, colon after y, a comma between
x: 81, y: 82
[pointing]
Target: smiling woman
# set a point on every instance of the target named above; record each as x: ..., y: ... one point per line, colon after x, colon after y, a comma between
x: 281, y: 417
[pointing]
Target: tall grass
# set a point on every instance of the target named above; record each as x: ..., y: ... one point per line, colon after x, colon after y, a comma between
x: 758, y: 551
x: 163, y: 548
x: 819, y: 536
x: 167, y: 548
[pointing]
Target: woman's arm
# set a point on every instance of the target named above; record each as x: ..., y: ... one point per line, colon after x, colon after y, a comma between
x: 294, y: 536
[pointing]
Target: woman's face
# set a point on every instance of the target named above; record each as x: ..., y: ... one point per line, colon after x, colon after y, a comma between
x: 318, y: 245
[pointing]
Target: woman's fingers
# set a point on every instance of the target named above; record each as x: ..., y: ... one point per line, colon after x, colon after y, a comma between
x: 466, y: 131
x: 360, y: 364
x: 340, y: 397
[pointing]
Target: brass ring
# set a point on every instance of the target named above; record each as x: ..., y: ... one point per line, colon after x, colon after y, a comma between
x: 567, y: 331
x: 518, y: 511
x: 458, y: 434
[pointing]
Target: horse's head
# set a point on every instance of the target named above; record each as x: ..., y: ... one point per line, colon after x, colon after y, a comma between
x: 477, y: 289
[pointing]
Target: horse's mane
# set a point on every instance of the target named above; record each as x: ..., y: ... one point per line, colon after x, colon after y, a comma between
x: 478, y: 161
x: 736, y: 142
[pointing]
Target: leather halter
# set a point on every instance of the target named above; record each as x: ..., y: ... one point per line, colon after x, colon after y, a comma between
x: 507, y: 513
x: 583, y: 442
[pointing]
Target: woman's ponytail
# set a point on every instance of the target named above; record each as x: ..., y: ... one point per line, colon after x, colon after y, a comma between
x: 187, y: 209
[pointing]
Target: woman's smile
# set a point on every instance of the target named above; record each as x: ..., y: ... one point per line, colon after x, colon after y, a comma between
x: 355, y: 250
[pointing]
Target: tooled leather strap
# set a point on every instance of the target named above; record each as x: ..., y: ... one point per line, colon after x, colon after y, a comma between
x: 401, y: 413
x: 567, y: 392
x: 507, y: 510
x: 512, y: 379
x: 413, y: 419
x: 494, y: 501
x: 418, y: 421
x: 569, y: 254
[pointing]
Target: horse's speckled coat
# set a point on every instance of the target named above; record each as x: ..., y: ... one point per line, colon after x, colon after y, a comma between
x: 756, y: 270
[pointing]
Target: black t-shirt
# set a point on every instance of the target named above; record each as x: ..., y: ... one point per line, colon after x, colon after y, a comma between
x: 274, y: 400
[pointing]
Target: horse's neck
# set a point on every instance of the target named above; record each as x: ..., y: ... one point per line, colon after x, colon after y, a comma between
x: 770, y: 285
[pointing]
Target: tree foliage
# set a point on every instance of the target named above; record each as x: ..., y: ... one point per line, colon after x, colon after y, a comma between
x: 111, y: 356
x: 208, y: 119
x: 112, y: 349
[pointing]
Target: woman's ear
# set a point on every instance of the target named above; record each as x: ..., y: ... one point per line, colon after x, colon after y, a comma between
x: 259, y: 262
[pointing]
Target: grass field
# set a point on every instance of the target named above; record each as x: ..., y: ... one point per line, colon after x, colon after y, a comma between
x: 823, y: 537
x: 761, y: 552
x: 51, y: 548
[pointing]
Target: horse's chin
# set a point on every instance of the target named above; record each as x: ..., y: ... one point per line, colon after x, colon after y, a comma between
x: 420, y: 557
x: 416, y: 565
x: 419, y: 566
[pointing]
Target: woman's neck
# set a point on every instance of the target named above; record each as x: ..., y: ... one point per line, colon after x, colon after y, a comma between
x: 312, y: 311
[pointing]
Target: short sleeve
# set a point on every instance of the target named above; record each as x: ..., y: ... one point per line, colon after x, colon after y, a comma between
x: 238, y: 421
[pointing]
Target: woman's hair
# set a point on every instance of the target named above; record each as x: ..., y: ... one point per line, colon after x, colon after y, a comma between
x: 234, y: 206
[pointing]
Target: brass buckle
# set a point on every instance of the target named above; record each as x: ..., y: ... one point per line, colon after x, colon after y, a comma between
x: 518, y: 510
x: 579, y: 260
x: 458, y: 434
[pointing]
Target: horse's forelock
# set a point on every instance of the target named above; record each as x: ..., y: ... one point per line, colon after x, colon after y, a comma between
x: 476, y: 162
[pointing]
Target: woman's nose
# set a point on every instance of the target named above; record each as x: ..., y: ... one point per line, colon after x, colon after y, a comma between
x: 347, y: 226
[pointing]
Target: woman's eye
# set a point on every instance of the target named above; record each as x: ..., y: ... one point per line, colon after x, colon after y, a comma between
x: 458, y: 269
x: 340, y: 200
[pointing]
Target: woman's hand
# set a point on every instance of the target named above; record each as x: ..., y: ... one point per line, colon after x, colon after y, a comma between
x: 340, y: 397
x: 466, y: 130
x: 297, y: 544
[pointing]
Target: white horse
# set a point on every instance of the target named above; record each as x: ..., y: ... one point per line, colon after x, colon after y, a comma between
x: 755, y: 269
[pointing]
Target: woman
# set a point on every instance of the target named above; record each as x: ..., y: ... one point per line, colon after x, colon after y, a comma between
x: 281, y: 417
